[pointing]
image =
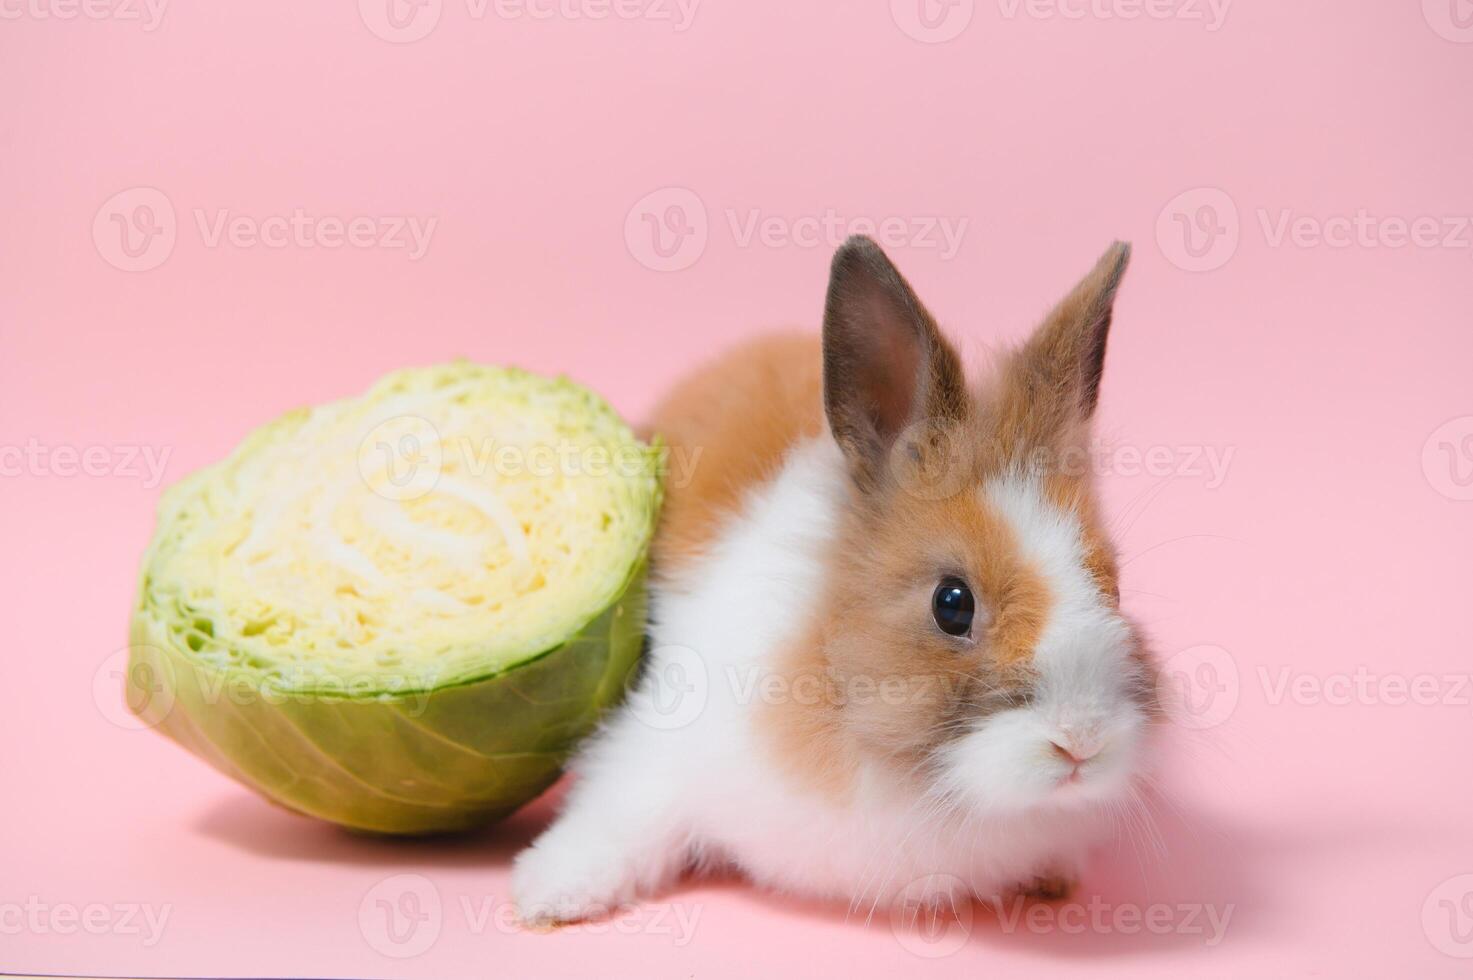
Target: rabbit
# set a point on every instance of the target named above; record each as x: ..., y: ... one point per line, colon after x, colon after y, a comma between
x: 887, y: 661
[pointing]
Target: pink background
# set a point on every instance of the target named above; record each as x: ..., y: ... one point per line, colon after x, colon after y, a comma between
x: 1338, y: 378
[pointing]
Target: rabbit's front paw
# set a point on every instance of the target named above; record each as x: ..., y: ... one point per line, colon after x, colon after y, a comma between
x: 568, y: 881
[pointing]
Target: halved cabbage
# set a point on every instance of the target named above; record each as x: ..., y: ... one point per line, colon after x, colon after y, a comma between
x: 399, y: 612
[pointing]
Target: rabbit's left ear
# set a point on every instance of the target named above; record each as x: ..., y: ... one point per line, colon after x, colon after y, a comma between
x: 885, y: 363
x: 1062, y: 362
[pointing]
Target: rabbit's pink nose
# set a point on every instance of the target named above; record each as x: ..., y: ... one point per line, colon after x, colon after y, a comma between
x: 1074, y: 753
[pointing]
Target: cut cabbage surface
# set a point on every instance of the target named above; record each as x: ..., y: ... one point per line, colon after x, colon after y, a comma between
x: 398, y: 612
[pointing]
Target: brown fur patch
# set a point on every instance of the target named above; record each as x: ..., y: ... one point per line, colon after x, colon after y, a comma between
x: 808, y: 739
x: 1013, y: 591
x: 728, y: 427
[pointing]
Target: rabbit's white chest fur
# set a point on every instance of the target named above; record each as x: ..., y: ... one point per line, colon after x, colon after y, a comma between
x: 680, y: 775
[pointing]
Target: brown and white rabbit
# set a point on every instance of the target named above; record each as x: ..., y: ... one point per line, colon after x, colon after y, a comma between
x: 887, y: 659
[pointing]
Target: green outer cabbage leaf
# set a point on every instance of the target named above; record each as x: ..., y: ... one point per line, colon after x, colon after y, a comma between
x: 449, y: 759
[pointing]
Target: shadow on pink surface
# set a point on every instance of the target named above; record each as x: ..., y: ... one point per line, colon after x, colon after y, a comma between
x: 1192, y: 882
x: 1207, y: 880
x: 251, y: 825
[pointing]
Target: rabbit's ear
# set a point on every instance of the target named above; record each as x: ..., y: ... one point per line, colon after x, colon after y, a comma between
x: 885, y: 365
x: 1059, y: 368
x: 1047, y: 390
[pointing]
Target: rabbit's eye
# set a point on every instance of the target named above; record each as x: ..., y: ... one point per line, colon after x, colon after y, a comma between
x: 953, y: 606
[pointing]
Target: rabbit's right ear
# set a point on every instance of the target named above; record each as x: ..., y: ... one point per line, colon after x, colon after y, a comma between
x: 1065, y: 357
x: 885, y: 364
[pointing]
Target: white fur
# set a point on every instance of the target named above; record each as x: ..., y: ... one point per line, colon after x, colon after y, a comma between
x: 678, y: 776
